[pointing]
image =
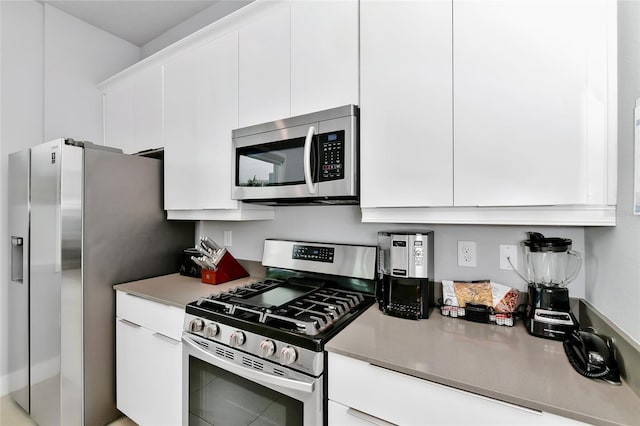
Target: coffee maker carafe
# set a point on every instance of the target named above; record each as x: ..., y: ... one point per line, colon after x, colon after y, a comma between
x: 405, y: 273
x: 550, y: 265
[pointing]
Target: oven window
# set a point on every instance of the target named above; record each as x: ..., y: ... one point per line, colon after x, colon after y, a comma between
x: 220, y: 398
x: 271, y: 164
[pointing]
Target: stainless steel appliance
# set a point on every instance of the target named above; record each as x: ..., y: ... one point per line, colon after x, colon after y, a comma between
x: 255, y: 354
x: 405, y: 273
x: 81, y: 218
x: 550, y: 265
x: 307, y: 159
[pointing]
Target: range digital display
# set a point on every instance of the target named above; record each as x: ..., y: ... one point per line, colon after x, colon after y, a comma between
x: 313, y: 253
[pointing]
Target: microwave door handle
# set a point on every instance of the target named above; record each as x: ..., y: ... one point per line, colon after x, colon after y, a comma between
x: 308, y: 179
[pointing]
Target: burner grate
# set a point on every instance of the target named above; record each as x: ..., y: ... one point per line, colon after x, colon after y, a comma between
x: 309, y: 315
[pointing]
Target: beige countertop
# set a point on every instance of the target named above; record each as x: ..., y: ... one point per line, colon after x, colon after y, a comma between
x: 500, y: 362
x: 177, y: 290
x: 504, y: 363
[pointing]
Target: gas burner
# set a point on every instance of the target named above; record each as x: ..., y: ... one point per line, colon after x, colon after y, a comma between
x: 313, y: 312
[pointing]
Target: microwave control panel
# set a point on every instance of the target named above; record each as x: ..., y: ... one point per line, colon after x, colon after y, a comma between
x: 331, y: 150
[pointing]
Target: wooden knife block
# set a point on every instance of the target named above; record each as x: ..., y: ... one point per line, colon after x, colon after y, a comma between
x: 228, y: 270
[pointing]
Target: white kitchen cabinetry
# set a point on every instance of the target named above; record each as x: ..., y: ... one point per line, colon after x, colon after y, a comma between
x: 148, y: 360
x: 523, y: 130
x: 360, y: 392
x: 132, y: 111
x: 324, y: 55
x: 201, y: 110
x: 530, y: 103
x: 265, y: 67
x: 296, y: 58
x: 406, y: 122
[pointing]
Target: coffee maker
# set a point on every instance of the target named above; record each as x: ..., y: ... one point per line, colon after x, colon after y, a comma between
x: 550, y: 266
x: 404, y: 286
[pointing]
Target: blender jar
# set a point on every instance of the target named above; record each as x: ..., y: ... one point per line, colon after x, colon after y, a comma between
x: 550, y: 262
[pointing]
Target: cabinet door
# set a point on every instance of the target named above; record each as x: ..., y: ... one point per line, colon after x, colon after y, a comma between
x: 201, y: 110
x: 148, y: 375
x: 133, y: 111
x: 406, y: 113
x: 118, y: 114
x: 529, y: 102
x: 324, y: 55
x: 264, y: 92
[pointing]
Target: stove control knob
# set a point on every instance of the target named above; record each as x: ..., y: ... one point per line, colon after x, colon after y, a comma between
x: 196, y: 325
x: 211, y: 330
x: 267, y: 348
x: 288, y: 355
x: 236, y: 339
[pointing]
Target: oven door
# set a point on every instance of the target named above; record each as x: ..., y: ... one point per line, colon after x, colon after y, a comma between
x: 224, y: 386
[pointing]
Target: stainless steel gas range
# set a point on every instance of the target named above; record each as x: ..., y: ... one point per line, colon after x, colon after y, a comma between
x: 254, y: 355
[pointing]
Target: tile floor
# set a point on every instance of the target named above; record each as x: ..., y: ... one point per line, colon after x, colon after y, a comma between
x: 12, y: 414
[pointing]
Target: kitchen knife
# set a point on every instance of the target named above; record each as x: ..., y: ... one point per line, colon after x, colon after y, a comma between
x: 205, y: 263
x: 198, y: 262
x: 219, y: 255
x: 209, y: 243
x: 204, y: 252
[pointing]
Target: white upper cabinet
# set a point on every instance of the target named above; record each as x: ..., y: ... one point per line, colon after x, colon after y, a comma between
x: 530, y: 103
x: 201, y: 109
x: 406, y: 112
x: 507, y: 116
x: 133, y: 111
x: 296, y: 58
x: 264, y: 58
x: 324, y: 55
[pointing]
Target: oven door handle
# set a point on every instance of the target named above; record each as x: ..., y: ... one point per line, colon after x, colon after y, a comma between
x: 308, y: 178
x: 247, y: 372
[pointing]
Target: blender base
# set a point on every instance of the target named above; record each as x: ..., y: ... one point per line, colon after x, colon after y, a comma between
x: 554, y: 325
x: 549, y: 315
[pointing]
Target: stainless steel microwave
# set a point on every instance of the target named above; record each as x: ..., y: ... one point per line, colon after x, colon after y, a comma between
x: 307, y: 159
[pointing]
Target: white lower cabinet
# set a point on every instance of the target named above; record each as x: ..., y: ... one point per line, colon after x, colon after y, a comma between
x: 363, y: 394
x: 148, y: 361
x: 341, y: 415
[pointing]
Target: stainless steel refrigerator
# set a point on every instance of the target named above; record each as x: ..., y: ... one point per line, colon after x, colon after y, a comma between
x: 82, y: 218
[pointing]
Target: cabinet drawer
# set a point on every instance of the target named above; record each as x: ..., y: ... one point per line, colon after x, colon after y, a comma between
x: 148, y: 376
x: 406, y: 400
x: 346, y: 416
x: 158, y: 317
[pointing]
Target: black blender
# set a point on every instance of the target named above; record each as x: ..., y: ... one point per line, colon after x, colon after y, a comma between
x: 550, y: 266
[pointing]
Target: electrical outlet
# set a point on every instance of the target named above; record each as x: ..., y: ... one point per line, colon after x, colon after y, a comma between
x: 511, y: 252
x: 227, y: 239
x: 467, y: 253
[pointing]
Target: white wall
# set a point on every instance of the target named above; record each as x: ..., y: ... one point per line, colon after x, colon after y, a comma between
x: 50, y: 64
x: 21, y: 93
x: 341, y: 224
x: 78, y: 56
x: 613, y: 269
